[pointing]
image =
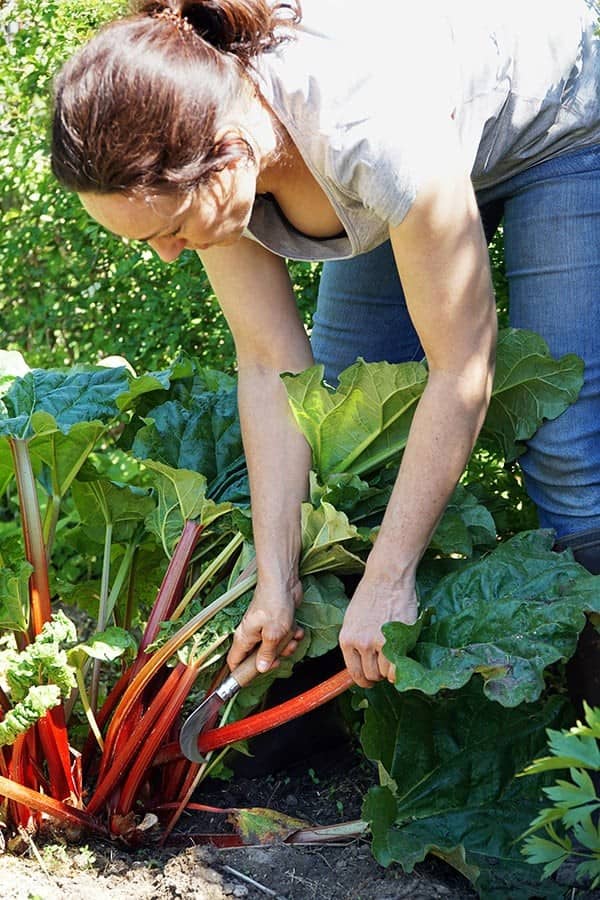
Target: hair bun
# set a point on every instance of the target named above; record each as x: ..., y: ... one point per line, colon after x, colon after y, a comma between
x: 242, y: 27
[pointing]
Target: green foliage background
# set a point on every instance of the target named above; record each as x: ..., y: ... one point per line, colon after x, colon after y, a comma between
x: 70, y: 292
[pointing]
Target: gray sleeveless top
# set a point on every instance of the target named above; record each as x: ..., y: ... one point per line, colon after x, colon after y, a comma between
x: 520, y: 79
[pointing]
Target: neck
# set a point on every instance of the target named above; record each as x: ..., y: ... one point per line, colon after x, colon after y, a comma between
x: 278, y: 166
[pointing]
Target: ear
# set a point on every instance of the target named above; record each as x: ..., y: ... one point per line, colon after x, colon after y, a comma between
x: 237, y: 139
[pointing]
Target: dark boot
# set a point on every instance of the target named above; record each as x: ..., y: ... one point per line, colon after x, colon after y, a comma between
x: 583, y: 669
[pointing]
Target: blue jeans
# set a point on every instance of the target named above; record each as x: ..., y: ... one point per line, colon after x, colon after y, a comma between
x: 552, y: 250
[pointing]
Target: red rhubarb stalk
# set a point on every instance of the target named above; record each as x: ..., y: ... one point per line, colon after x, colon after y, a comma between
x: 162, y: 655
x: 35, y: 549
x: 171, y: 587
x: 51, y: 729
x: 168, y: 596
x: 277, y: 715
x: 25, y: 796
x: 186, y: 676
x: 167, y: 700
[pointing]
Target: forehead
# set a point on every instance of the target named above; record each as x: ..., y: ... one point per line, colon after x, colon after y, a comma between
x: 133, y: 216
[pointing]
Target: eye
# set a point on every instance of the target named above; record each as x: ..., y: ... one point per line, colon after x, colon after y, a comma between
x: 173, y: 234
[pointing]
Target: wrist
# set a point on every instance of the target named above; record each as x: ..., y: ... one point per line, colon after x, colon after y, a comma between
x: 387, y: 567
x: 279, y: 585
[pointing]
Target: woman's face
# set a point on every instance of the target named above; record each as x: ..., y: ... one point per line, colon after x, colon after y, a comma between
x: 216, y: 214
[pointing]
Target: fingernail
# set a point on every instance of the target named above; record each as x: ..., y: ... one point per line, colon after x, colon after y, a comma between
x: 262, y: 665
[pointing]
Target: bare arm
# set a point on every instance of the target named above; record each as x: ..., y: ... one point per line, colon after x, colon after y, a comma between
x: 443, y: 263
x: 256, y: 296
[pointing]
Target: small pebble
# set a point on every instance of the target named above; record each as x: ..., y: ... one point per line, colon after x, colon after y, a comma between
x: 235, y: 890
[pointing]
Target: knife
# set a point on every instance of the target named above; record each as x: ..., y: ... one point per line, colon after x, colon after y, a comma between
x: 205, y: 715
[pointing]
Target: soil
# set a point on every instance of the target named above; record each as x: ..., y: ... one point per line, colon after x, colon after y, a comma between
x: 326, y: 789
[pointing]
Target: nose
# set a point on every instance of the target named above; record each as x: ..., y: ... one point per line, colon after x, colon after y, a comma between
x: 168, y: 248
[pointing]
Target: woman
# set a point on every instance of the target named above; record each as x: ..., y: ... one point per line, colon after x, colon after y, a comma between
x: 251, y: 132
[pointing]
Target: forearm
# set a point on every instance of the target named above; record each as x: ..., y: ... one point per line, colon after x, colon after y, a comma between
x: 278, y: 463
x: 445, y: 427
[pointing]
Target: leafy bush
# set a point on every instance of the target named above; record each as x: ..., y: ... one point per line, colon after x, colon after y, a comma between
x: 570, y: 826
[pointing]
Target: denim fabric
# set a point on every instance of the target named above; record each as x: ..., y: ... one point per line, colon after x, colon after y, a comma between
x: 552, y: 246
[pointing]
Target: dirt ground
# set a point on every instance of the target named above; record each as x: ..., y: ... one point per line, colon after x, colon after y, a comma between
x: 326, y: 790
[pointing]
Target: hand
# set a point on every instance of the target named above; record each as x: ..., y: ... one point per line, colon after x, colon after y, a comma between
x: 269, y: 617
x: 374, y: 603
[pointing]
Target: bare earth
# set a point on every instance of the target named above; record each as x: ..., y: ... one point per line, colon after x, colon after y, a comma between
x: 328, y: 791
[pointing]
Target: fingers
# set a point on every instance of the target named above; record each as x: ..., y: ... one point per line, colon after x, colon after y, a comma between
x: 367, y: 666
x: 252, y: 632
x: 292, y: 646
x: 269, y: 650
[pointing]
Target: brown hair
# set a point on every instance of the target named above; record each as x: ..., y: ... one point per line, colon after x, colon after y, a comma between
x: 138, y: 107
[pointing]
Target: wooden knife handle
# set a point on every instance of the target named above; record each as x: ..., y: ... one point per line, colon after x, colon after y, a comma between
x: 247, y: 671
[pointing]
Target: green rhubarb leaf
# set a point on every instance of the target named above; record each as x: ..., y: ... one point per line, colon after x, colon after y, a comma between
x: 329, y: 541
x: 362, y: 424
x: 449, y: 764
x: 365, y: 422
x: 101, y: 503
x: 35, y: 704
x: 529, y: 386
x: 151, y: 382
x: 62, y: 455
x: 14, y: 596
x: 7, y: 472
x: 204, y: 438
x: 44, y: 661
x: 108, y: 645
x: 351, y: 495
x: 506, y: 618
x: 466, y: 524
x: 45, y: 401
x: 321, y: 612
x: 181, y: 497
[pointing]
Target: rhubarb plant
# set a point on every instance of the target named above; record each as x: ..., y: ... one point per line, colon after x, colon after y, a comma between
x: 138, y: 485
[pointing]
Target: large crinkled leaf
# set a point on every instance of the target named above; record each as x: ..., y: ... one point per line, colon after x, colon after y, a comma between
x: 63, y: 455
x: 14, y: 596
x: 150, y: 382
x: 448, y: 767
x: 321, y: 612
x: 529, y: 386
x: 7, y: 471
x: 506, y: 617
x: 466, y: 524
x: 43, y: 401
x: 351, y: 495
x: 365, y: 422
x: 205, y: 438
x: 181, y: 496
x: 101, y: 503
x: 329, y: 541
x: 361, y: 424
